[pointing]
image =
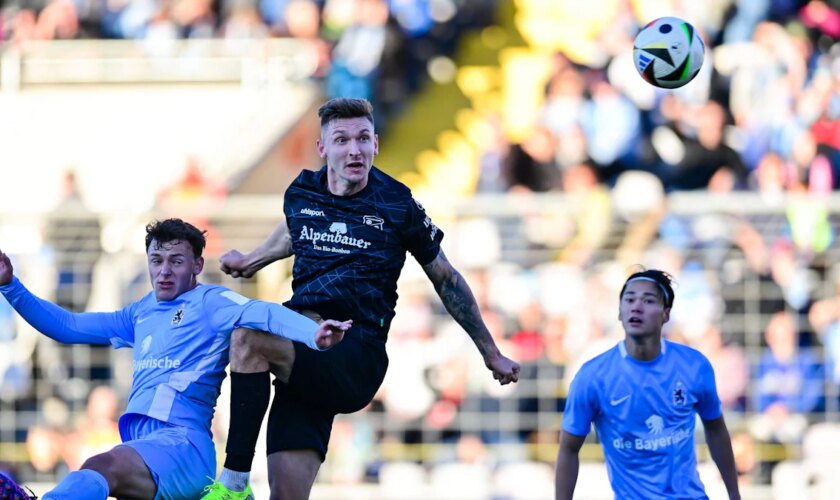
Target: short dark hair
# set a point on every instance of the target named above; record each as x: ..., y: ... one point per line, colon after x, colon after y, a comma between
x: 663, y: 280
x: 165, y: 231
x: 345, y: 107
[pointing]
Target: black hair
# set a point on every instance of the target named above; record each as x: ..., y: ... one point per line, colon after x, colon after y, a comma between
x: 663, y: 280
x: 172, y: 230
x: 345, y: 107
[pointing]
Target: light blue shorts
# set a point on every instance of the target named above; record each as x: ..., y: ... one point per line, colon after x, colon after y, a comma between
x: 182, y: 460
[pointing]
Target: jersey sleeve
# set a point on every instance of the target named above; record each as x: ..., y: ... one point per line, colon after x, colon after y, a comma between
x: 581, y: 404
x: 114, y: 328
x: 708, y: 402
x: 229, y: 310
x: 421, y: 236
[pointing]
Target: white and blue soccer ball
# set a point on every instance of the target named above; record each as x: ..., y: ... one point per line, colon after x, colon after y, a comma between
x: 668, y: 52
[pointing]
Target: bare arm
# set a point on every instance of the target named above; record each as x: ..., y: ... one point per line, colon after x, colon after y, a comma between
x: 277, y: 246
x: 459, y: 301
x: 720, y: 447
x: 568, y: 463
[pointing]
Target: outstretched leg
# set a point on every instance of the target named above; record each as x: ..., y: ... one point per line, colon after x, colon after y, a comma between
x: 250, y: 352
x: 120, y: 472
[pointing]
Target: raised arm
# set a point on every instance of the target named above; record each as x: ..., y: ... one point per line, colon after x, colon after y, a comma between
x: 568, y: 464
x: 228, y: 310
x: 277, y: 246
x: 720, y: 447
x: 459, y: 301
x: 55, y: 322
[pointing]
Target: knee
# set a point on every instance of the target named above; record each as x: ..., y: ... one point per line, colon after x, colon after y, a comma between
x: 243, y: 347
x: 105, y: 464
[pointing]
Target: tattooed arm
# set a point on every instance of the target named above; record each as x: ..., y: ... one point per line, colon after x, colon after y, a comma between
x: 459, y: 301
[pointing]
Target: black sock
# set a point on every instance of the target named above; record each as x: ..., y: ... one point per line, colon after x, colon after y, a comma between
x: 249, y: 398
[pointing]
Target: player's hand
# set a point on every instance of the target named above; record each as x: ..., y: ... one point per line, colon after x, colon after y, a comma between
x: 504, y: 370
x: 330, y: 332
x: 6, y: 269
x: 234, y: 264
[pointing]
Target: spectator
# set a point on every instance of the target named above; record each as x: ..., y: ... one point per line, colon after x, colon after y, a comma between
x: 97, y: 431
x: 44, y: 448
x: 731, y: 368
x: 824, y: 316
x: 789, y: 384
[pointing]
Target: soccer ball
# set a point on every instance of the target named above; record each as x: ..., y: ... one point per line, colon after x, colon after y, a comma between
x: 668, y: 52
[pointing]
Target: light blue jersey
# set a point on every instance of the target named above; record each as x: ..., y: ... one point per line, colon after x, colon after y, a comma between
x: 644, y: 415
x: 180, y: 346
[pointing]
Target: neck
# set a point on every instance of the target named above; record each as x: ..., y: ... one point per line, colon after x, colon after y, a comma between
x: 643, y: 347
x: 344, y: 188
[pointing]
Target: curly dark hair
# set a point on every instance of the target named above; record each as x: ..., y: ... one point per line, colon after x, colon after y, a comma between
x: 663, y: 280
x: 165, y: 231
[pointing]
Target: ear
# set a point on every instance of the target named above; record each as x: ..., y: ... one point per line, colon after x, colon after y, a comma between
x: 375, y: 144
x: 198, y: 266
x: 319, y: 146
x: 666, y: 315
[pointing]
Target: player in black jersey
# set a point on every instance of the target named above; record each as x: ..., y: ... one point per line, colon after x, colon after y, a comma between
x: 348, y: 226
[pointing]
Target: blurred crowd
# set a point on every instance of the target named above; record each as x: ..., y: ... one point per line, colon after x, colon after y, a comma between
x: 763, y: 114
x: 374, y: 49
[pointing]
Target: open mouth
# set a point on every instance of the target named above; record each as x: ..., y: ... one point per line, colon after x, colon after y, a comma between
x: 634, y: 321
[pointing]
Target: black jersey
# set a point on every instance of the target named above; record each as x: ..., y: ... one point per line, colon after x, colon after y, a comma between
x: 349, y: 250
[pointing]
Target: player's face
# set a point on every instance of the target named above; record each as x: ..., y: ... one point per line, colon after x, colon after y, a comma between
x: 348, y: 145
x: 172, y: 268
x: 642, y: 310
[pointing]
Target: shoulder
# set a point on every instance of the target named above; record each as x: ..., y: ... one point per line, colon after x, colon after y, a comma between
x: 684, y: 350
x: 308, y: 179
x: 383, y: 180
x: 394, y: 200
x: 601, y: 363
x: 387, y: 185
x: 213, y: 295
x: 687, y: 356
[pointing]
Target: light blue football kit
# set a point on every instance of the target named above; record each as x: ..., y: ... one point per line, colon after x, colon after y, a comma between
x: 181, y: 350
x: 644, y: 415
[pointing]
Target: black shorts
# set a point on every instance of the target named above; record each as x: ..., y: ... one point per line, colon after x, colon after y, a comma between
x: 322, y: 384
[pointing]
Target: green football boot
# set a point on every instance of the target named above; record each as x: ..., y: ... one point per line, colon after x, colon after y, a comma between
x: 217, y: 491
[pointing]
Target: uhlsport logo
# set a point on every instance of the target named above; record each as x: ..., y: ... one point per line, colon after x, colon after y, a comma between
x: 312, y: 212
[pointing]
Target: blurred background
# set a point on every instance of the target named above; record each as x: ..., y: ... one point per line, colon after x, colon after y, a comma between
x: 524, y: 129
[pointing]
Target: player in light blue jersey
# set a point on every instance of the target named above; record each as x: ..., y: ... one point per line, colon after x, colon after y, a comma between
x: 643, y: 395
x: 180, y: 333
